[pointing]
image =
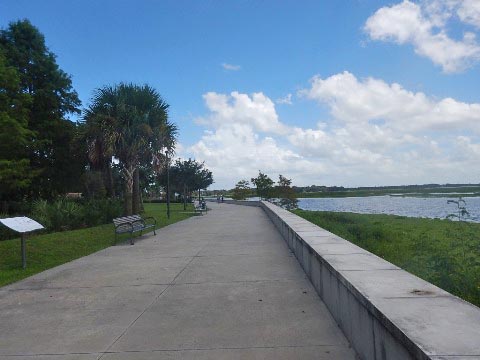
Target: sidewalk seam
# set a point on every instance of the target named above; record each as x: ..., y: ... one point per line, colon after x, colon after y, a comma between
x: 150, y: 305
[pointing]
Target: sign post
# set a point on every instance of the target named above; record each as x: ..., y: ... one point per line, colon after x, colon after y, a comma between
x: 22, y: 225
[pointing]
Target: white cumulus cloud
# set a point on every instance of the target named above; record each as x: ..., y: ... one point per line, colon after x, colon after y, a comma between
x: 376, y: 133
x: 469, y: 12
x: 234, y: 152
x: 351, y: 100
x: 256, y: 110
x: 439, y: 11
x: 285, y: 100
x: 425, y: 28
x: 230, y: 67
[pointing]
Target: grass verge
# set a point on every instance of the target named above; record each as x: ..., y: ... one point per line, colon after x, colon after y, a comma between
x: 442, y: 252
x: 45, y: 251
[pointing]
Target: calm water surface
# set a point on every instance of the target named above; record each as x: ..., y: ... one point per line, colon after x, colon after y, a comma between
x: 434, y: 207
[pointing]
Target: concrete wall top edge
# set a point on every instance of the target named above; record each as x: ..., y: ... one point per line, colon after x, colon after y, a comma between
x: 237, y: 202
x: 425, y: 318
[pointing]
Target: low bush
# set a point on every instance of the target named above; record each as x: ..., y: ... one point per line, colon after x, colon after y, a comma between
x: 68, y: 214
x: 102, y: 211
x: 61, y: 214
x: 5, y: 232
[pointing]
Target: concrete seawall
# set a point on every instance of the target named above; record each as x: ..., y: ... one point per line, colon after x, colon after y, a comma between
x: 384, y: 311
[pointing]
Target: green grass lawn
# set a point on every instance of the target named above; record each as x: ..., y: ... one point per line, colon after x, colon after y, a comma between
x: 45, y: 251
x: 443, y: 252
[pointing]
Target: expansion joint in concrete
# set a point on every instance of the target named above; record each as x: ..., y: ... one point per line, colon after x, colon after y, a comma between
x: 149, y: 305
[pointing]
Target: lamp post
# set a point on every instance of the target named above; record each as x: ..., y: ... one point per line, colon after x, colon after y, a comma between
x: 168, y: 186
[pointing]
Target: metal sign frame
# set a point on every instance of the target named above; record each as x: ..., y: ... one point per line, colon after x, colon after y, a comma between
x: 22, y: 225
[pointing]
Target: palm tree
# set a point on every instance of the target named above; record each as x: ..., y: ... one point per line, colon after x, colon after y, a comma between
x: 155, y: 159
x: 99, y: 148
x: 133, y: 121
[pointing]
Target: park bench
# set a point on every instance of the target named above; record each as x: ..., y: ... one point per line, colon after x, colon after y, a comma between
x: 131, y: 224
x: 199, y: 207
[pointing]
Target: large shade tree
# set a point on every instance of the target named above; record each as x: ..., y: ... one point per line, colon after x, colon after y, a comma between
x: 285, y: 193
x: 128, y: 122
x: 264, y: 185
x: 155, y: 161
x: 241, y: 190
x: 15, y: 174
x: 51, y: 156
x: 97, y: 131
x: 187, y: 176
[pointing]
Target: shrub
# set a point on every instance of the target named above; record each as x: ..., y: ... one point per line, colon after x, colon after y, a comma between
x: 41, y: 213
x: 65, y: 214
x: 5, y: 232
x: 62, y: 214
x: 102, y: 211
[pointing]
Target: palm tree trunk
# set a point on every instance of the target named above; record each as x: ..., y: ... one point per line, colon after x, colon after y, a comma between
x: 128, y: 175
x: 136, y: 192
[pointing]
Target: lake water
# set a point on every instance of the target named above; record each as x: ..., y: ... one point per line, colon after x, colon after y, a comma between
x: 433, y: 207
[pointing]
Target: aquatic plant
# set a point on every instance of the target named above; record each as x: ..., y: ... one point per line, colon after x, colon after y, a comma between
x: 462, y: 213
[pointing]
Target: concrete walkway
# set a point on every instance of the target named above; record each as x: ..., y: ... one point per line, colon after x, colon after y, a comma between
x: 219, y: 286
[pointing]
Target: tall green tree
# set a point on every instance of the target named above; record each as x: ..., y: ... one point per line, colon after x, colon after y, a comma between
x: 242, y: 189
x: 98, y: 138
x: 203, y: 179
x: 15, y: 137
x: 155, y: 161
x: 186, y: 177
x: 129, y: 123
x: 52, y: 99
x: 263, y: 184
x: 286, y: 193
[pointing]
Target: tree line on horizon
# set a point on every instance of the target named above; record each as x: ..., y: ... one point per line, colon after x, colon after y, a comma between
x: 282, y: 193
x: 324, y: 188
x: 119, y: 148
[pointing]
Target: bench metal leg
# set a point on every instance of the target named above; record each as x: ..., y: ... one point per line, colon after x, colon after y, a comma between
x: 131, y: 238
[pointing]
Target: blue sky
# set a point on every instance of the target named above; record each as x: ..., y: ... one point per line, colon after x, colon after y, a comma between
x: 351, y: 92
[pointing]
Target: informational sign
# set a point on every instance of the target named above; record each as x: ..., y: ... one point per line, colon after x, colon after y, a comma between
x: 22, y: 225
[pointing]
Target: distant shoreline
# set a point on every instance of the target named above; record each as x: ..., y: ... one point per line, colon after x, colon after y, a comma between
x: 467, y: 190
